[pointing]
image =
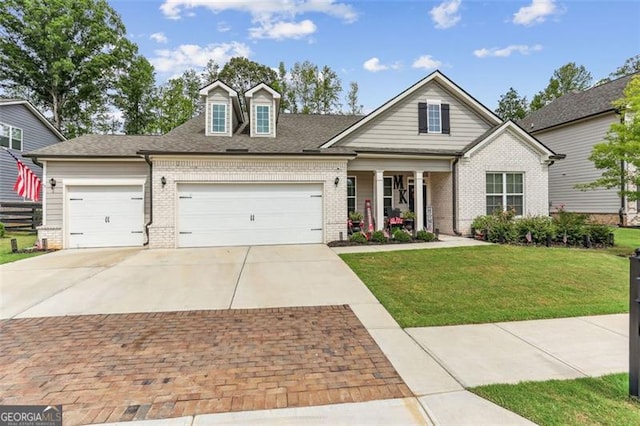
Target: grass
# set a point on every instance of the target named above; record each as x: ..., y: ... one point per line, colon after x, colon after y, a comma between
x: 24, y: 240
x: 586, y: 401
x: 468, y: 285
x: 626, y: 241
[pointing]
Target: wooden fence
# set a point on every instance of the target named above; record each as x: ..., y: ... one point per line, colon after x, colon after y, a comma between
x: 16, y: 216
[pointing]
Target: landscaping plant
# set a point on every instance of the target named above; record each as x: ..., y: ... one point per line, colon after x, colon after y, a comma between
x: 401, y: 236
x: 378, y: 237
x: 425, y: 236
x: 358, y: 237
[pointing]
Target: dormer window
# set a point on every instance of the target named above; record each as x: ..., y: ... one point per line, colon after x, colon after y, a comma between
x: 263, y: 114
x: 218, y: 118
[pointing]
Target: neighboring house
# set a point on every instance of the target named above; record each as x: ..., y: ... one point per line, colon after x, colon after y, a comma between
x: 573, y: 124
x: 229, y: 177
x: 22, y: 128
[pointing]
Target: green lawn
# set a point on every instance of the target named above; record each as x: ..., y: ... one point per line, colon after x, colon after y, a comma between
x: 24, y: 241
x: 587, y: 401
x: 493, y: 283
x: 626, y: 240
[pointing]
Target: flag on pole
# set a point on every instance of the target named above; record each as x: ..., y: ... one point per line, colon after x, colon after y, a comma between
x: 28, y: 184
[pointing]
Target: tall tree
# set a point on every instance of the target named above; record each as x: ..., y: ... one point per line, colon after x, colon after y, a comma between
x: 282, y: 86
x: 242, y: 74
x: 210, y: 72
x: 327, y: 91
x: 65, y: 53
x: 568, y: 78
x: 621, y: 146
x: 630, y: 66
x: 177, y: 101
x: 355, y: 108
x: 512, y: 106
x: 134, y: 96
x: 303, y: 82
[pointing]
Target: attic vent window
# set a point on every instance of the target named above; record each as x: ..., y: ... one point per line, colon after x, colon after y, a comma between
x: 433, y: 117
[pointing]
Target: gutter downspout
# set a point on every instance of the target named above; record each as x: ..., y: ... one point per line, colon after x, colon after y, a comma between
x: 146, y: 226
x: 36, y: 162
x: 454, y: 196
x: 622, y: 213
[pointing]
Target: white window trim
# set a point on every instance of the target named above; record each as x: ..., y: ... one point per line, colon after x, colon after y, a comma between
x: 384, y: 197
x: 226, y: 119
x: 11, y: 136
x: 504, y: 194
x: 439, y: 104
x: 355, y: 193
x: 268, y: 107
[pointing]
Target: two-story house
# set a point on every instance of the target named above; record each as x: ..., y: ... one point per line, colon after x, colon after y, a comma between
x: 256, y: 175
x: 573, y: 124
x: 22, y: 128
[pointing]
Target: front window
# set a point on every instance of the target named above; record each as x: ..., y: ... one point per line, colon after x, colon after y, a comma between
x: 10, y: 137
x: 434, y: 118
x: 351, y: 194
x: 388, y: 195
x: 505, y: 191
x: 262, y: 119
x: 218, y: 118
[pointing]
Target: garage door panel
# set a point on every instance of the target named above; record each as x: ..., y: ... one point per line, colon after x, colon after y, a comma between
x: 249, y: 214
x: 105, y: 216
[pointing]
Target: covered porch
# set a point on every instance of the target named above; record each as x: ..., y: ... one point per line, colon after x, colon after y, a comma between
x: 397, y: 186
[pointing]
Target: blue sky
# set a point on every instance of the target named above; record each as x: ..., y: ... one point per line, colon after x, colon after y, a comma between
x: 386, y: 46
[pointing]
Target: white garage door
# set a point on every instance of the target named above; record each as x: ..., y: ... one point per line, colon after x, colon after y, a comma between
x: 105, y: 216
x: 249, y: 214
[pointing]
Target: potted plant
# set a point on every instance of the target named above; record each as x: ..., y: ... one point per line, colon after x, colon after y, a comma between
x: 408, y: 219
x: 355, y: 221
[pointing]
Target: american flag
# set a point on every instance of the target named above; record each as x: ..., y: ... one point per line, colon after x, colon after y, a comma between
x: 27, y: 184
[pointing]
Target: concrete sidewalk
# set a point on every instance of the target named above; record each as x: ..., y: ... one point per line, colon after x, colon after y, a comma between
x: 445, y: 241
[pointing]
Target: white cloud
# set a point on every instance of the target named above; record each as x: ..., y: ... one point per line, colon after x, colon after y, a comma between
x: 507, y: 51
x: 426, y: 62
x: 223, y: 27
x: 274, y: 18
x: 159, y: 37
x: 535, y: 13
x: 446, y: 15
x: 283, y: 30
x: 374, y: 65
x: 192, y: 55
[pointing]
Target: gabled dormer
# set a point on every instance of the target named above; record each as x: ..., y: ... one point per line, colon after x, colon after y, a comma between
x: 263, y: 105
x: 222, y: 109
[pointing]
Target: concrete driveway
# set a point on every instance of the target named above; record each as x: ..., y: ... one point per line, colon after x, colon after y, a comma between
x: 103, y: 281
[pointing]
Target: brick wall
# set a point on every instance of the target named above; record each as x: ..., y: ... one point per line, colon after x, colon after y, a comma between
x: 162, y: 233
x: 506, y: 153
x: 53, y: 234
x: 441, y: 201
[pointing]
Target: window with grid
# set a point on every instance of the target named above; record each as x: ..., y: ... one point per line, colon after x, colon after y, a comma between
x: 505, y: 191
x: 218, y: 118
x: 351, y: 194
x: 10, y: 137
x: 434, y: 118
x: 262, y: 119
x: 388, y: 194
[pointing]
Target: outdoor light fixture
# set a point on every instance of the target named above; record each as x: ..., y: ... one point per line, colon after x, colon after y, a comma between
x: 337, y: 181
x: 52, y: 182
x: 163, y: 181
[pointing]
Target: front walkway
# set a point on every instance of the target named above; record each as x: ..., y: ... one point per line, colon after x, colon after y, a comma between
x: 445, y: 241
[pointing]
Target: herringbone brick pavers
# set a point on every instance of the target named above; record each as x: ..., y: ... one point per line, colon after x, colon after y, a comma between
x: 106, y: 368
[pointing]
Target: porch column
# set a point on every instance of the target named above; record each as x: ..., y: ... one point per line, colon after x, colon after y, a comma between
x: 418, y: 179
x: 379, y: 199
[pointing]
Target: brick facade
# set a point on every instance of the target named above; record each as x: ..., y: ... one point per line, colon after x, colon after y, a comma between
x: 53, y: 234
x: 506, y: 153
x: 162, y: 233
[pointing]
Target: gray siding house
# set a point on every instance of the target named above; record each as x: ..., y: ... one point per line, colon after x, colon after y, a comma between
x: 262, y: 176
x: 572, y: 125
x: 22, y: 128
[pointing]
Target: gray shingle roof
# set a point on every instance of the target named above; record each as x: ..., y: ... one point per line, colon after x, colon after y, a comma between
x: 574, y: 106
x: 294, y: 133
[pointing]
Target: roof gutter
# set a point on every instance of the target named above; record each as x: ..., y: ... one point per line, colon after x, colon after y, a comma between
x: 146, y: 226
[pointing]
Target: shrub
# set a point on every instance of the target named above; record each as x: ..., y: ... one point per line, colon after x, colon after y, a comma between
x: 570, y: 224
x: 409, y: 215
x: 599, y: 233
x: 378, y: 237
x: 502, y: 232
x: 400, y: 235
x: 2, y: 231
x: 358, y: 237
x: 482, y: 223
x: 356, y: 216
x: 539, y: 226
x: 425, y: 236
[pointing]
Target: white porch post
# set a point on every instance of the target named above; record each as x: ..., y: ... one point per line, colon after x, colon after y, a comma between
x: 379, y: 199
x: 418, y: 179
